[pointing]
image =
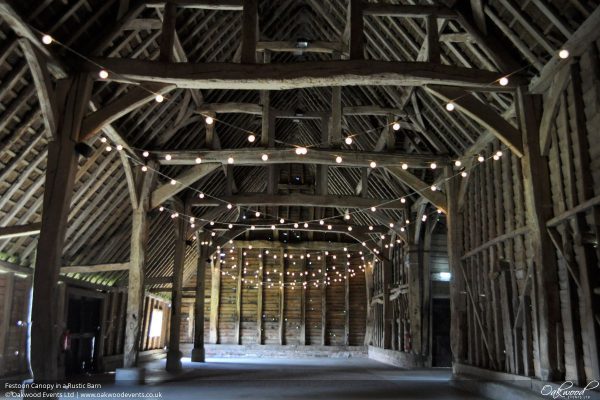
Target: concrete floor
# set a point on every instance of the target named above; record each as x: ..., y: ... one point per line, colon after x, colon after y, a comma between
x: 314, y: 379
x: 266, y: 379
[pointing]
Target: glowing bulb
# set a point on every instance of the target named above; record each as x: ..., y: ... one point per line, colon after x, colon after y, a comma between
x: 251, y: 138
x: 273, y: 227
x: 47, y: 39
x: 230, y: 226
x: 373, y: 164
x: 404, y: 166
x: 296, y: 225
x: 161, y: 209
x: 495, y: 157
x: 103, y: 74
x: 159, y: 98
x: 349, y: 228
x: 396, y: 126
x: 257, y: 214
x: 373, y: 209
x: 348, y: 140
x: 321, y: 222
x: 265, y: 157
x: 464, y: 174
x: 168, y: 157
x: 503, y: 81
x: 329, y: 227
x: 108, y: 148
x: 146, y: 154
x: 102, y: 139
x: 480, y: 159
x: 201, y: 195
x: 198, y: 160
x: 173, y: 182
x: 403, y: 200
x: 433, y: 188
x: 450, y: 106
x: 433, y: 165
x: 564, y: 53
x: 306, y: 225
x: 144, y: 168
x: 338, y: 159
x: 253, y: 227
x: 229, y: 206
x: 230, y: 160
x: 370, y: 227
x: 457, y: 163
x: 209, y: 120
x: 499, y: 153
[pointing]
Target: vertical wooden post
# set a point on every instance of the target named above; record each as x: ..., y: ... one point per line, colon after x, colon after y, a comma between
x: 357, y: 35
x: 238, y: 296
x: 346, y: 306
x: 174, y: 354
x: 72, y: 97
x: 198, y: 354
x: 135, y: 290
x: 387, y: 304
x: 538, y: 201
x: 249, y: 31
x: 432, y: 38
x: 324, y: 303
x: 215, y: 295
x: 303, y: 303
x: 335, y: 127
x: 284, y: 261
x: 6, y: 320
x: 390, y: 137
x: 364, y: 188
x: 167, y: 37
x: 259, y: 298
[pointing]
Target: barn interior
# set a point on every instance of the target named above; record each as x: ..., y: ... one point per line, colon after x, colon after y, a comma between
x: 390, y: 199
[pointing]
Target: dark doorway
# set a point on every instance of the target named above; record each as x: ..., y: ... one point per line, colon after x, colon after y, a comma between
x: 441, y: 352
x: 83, y: 325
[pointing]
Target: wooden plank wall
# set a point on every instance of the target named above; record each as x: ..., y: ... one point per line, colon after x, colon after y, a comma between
x: 14, y: 310
x: 502, y: 308
x: 292, y: 316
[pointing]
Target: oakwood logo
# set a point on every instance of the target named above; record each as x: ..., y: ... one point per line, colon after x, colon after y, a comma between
x: 566, y: 391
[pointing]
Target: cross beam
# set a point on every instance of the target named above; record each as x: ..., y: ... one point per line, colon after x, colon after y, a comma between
x: 298, y: 75
x: 285, y: 156
x: 265, y: 225
x: 300, y: 199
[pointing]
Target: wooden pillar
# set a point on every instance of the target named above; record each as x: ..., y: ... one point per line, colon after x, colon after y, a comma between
x: 249, y: 31
x: 335, y: 127
x: 7, y: 303
x: 387, y: 304
x: 357, y: 35
x: 174, y: 354
x: 259, y: 297
x: 432, y: 38
x: 415, y: 290
x: 346, y: 306
x: 538, y: 201
x: 303, y: 302
x: 215, y: 295
x: 238, y: 295
x: 167, y: 37
x: 72, y: 97
x: 140, y: 199
x: 284, y: 267
x: 198, y: 354
x: 324, y: 303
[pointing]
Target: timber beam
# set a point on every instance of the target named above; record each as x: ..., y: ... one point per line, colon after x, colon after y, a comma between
x: 408, y: 11
x: 300, y: 199
x: 9, y: 232
x: 309, y: 246
x: 297, y: 75
x: 88, y: 269
x: 265, y: 224
x: 286, y: 156
x: 219, y: 5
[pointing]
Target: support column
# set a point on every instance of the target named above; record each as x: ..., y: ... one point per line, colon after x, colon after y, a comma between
x: 72, y: 96
x: 174, y: 354
x: 137, y: 266
x: 415, y: 288
x: 538, y: 202
x: 457, y: 300
x: 387, y: 305
x: 198, y: 354
x: 357, y: 35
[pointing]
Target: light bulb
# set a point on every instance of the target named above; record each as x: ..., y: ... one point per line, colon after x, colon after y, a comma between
x: 373, y: 209
x: 229, y: 206
x: 159, y: 98
x: 103, y: 74
x: 146, y: 154
x: 144, y: 168
x: 230, y: 226
x: 370, y: 227
x: 396, y: 126
x: 373, y: 164
x: 173, y: 182
x: 265, y: 157
x: 403, y: 200
x: 433, y: 188
x: 348, y: 140
x: 480, y: 159
x: 102, y: 139
x: 329, y: 227
x: 273, y: 227
x: 119, y: 147
x: 499, y: 153
x: 201, y: 195
x: 161, y: 209
x: 564, y: 53
x: 209, y: 120
x: 295, y: 225
x: 433, y: 165
x: 306, y: 225
x: 450, y: 106
x: 321, y: 222
x: 349, y: 228
x: 503, y: 81
x: 198, y: 160
x: 108, y: 148
x: 257, y: 214
x: 404, y: 166
x: 281, y: 221
x: 230, y: 160
x: 168, y: 157
x: 251, y: 138
x: 338, y: 159
x: 47, y: 39
x: 457, y: 163
x: 464, y: 174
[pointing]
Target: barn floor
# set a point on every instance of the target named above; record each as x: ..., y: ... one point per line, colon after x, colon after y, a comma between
x: 326, y: 378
